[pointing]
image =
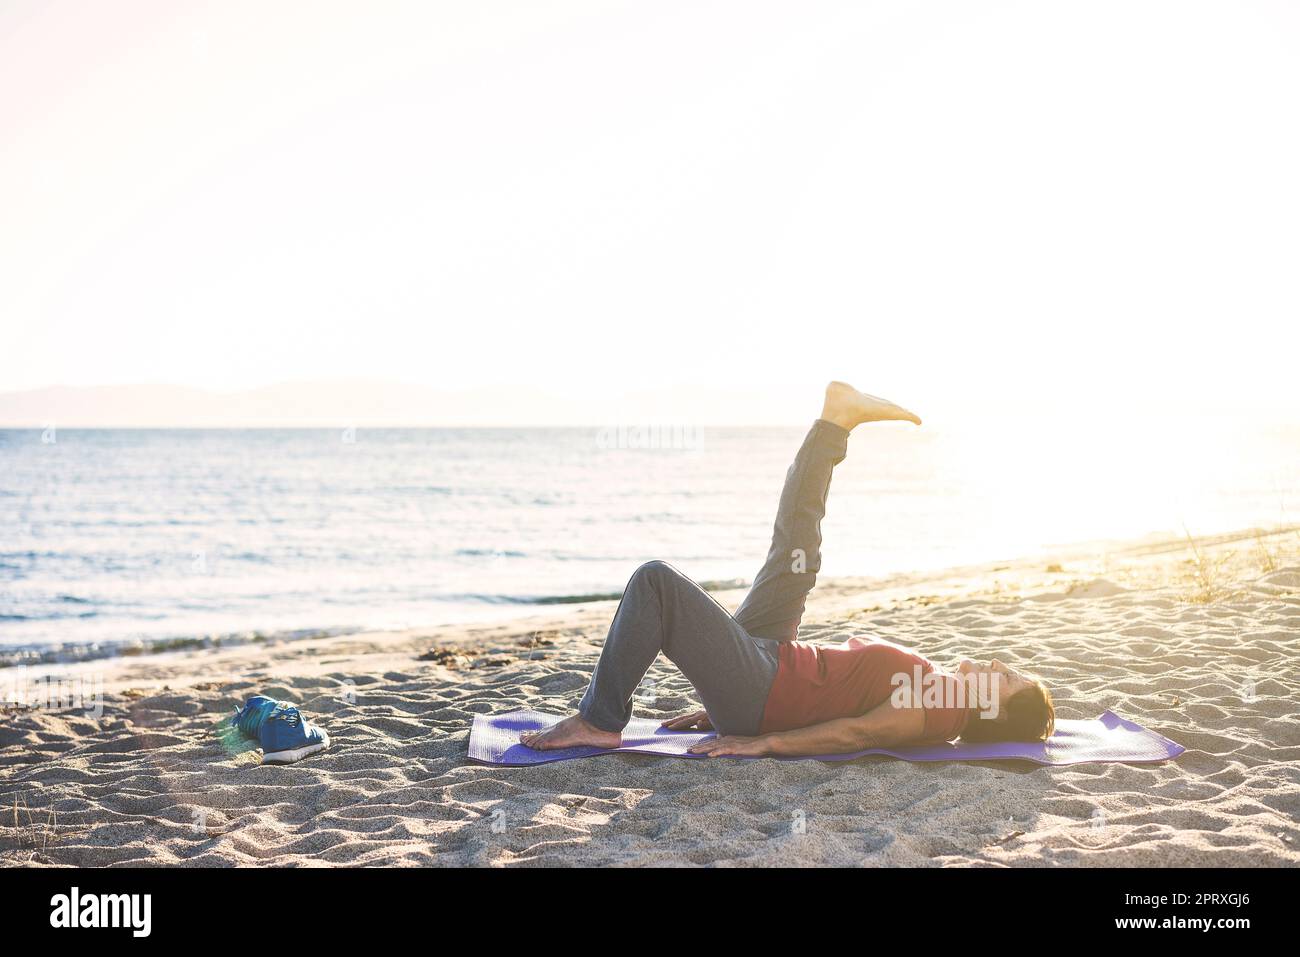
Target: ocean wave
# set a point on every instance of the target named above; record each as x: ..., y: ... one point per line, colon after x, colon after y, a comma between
x: 71, y: 652
x: 52, y: 616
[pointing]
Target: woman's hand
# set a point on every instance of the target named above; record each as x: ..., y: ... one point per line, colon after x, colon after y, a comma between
x: 695, y: 721
x: 735, y: 745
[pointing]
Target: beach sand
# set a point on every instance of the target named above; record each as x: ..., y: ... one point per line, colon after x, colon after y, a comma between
x: 1196, y: 641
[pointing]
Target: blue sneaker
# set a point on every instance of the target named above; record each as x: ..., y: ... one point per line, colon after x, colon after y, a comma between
x: 285, y: 735
x: 249, y: 718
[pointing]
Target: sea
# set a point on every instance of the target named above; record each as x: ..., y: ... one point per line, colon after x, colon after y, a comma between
x: 122, y: 541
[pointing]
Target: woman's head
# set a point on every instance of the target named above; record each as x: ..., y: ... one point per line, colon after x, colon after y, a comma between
x: 1024, y: 706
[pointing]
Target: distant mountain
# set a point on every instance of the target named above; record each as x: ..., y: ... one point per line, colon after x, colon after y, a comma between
x: 360, y: 402
x: 337, y: 404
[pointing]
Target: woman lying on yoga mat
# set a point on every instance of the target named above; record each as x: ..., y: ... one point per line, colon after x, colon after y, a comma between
x: 763, y: 691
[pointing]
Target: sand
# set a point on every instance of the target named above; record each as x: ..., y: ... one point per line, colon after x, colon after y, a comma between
x: 1198, y: 643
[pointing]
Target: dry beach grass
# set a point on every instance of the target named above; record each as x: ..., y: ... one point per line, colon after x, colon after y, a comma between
x: 1198, y: 643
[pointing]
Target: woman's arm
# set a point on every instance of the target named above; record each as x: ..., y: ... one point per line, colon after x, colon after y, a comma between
x: 883, y: 726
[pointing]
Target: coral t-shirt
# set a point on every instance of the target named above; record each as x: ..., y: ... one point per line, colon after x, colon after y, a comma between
x: 816, y: 683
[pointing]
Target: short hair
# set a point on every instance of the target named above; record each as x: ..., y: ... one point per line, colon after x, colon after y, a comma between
x: 1030, y: 717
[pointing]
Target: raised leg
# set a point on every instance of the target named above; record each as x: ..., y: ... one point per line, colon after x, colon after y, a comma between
x: 775, y: 603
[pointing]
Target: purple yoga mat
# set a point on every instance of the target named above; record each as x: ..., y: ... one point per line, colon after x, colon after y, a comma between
x: 494, y: 739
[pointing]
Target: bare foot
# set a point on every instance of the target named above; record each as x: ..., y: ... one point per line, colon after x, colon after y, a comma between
x: 847, y: 407
x: 572, y: 732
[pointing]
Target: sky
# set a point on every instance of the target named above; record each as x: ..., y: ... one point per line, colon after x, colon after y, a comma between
x: 1060, y: 205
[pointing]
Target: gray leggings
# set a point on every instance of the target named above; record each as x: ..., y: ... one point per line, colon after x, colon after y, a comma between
x: 731, y: 661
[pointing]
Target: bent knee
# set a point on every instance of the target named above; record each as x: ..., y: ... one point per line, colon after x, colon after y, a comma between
x: 655, y: 571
